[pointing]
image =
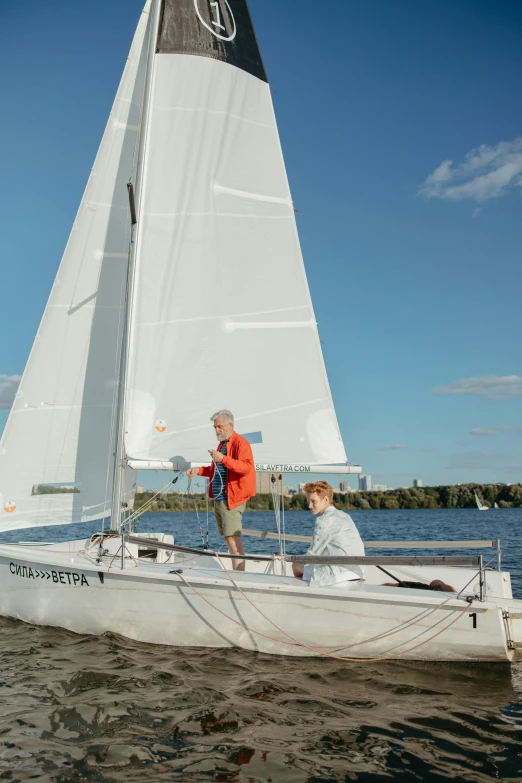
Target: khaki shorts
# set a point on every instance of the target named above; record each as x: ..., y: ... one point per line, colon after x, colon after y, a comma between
x: 228, y: 521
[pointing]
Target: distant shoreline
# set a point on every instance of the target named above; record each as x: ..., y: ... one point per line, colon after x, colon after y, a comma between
x: 459, y: 496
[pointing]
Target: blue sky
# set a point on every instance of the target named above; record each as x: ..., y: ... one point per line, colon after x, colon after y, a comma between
x: 401, y: 125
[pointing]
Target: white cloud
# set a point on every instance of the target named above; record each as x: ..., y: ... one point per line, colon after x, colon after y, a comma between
x: 494, y: 430
x: 8, y: 387
x: 492, y: 387
x: 486, y: 172
x: 396, y: 447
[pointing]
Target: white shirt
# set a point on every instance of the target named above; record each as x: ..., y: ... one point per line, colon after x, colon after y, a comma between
x: 335, y: 534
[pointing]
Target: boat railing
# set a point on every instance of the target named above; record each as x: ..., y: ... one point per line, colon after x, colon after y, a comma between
x: 469, y: 561
x: 468, y: 544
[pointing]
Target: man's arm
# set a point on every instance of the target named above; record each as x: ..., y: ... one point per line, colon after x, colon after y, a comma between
x: 322, y: 536
x: 204, y: 471
x: 319, y: 544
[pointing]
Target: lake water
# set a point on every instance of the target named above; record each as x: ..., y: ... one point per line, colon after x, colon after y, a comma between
x: 106, y: 709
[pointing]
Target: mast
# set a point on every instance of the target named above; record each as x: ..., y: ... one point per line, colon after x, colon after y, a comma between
x: 120, y: 462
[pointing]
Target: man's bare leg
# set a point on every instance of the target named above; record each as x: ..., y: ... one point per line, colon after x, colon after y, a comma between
x: 235, y: 547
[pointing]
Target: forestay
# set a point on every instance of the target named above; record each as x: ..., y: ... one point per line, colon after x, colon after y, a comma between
x: 221, y: 315
x: 60, y: 430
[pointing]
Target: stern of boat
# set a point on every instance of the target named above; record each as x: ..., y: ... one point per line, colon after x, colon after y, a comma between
x: 512, y: 613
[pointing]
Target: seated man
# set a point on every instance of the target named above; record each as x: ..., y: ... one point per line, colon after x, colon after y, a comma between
x: 334, y: 534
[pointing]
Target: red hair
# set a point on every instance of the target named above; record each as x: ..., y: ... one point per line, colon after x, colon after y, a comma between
x: 322, y: 488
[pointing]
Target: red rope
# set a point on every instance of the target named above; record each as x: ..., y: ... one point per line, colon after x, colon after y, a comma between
x: 296, y: 642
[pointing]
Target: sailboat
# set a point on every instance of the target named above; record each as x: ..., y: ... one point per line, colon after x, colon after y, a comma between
x: 495, y: 504
x: 480, y: 506
x: 183, y: 266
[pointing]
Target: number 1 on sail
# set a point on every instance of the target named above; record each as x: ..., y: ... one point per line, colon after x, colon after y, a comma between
x: 218, y: 16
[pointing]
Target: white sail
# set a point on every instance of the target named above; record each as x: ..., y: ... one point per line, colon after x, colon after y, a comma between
x: 480, y: 506
x: 221, y: 315
x: 61, y: 428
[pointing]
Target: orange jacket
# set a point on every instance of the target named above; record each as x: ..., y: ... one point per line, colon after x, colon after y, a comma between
x: 241, y: 471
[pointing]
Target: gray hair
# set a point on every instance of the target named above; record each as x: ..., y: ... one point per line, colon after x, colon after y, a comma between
x: 224, y: 414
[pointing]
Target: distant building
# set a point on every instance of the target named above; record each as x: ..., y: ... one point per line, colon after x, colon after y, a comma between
x: 301, y: 487
x: 417, y: 483
x: 365, y: 482
x: 344, y: 486
x: 265, y: 485
x: 380, y: 488
x: 140, y: 490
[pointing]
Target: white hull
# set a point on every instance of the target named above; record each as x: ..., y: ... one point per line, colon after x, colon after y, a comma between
x: 201, y: 607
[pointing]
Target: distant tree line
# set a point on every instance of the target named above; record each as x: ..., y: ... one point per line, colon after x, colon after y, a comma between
x: 459, y: 496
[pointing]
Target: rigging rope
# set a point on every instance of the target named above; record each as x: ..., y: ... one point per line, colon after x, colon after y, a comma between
x: 149, y: 503
x: 296, y: 642
x: 276, y: 504
x: 197, y: 515
x: 207, y: 546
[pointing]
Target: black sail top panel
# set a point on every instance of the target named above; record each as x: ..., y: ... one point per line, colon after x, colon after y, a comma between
x: 221, y: 29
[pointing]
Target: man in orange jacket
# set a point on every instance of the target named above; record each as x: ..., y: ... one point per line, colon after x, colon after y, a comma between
x: 232, y: 481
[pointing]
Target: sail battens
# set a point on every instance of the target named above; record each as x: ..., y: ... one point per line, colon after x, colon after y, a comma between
x: 222, y: 318
x: 231, y: 326
x: 240, y: 215
x: 52, y: 407
x: 87, y: 306
x: 221, y: 112
x: 267, y: 412
x: 253, y: 196
x: 119, y: 125
x: 261, y: 414
x: 105, y: 204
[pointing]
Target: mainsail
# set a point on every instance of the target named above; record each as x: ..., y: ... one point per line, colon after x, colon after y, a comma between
x: 221, y: 315
x: 60, y: 435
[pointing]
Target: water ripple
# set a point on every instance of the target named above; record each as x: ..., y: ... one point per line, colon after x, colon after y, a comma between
x: 106, y: 709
